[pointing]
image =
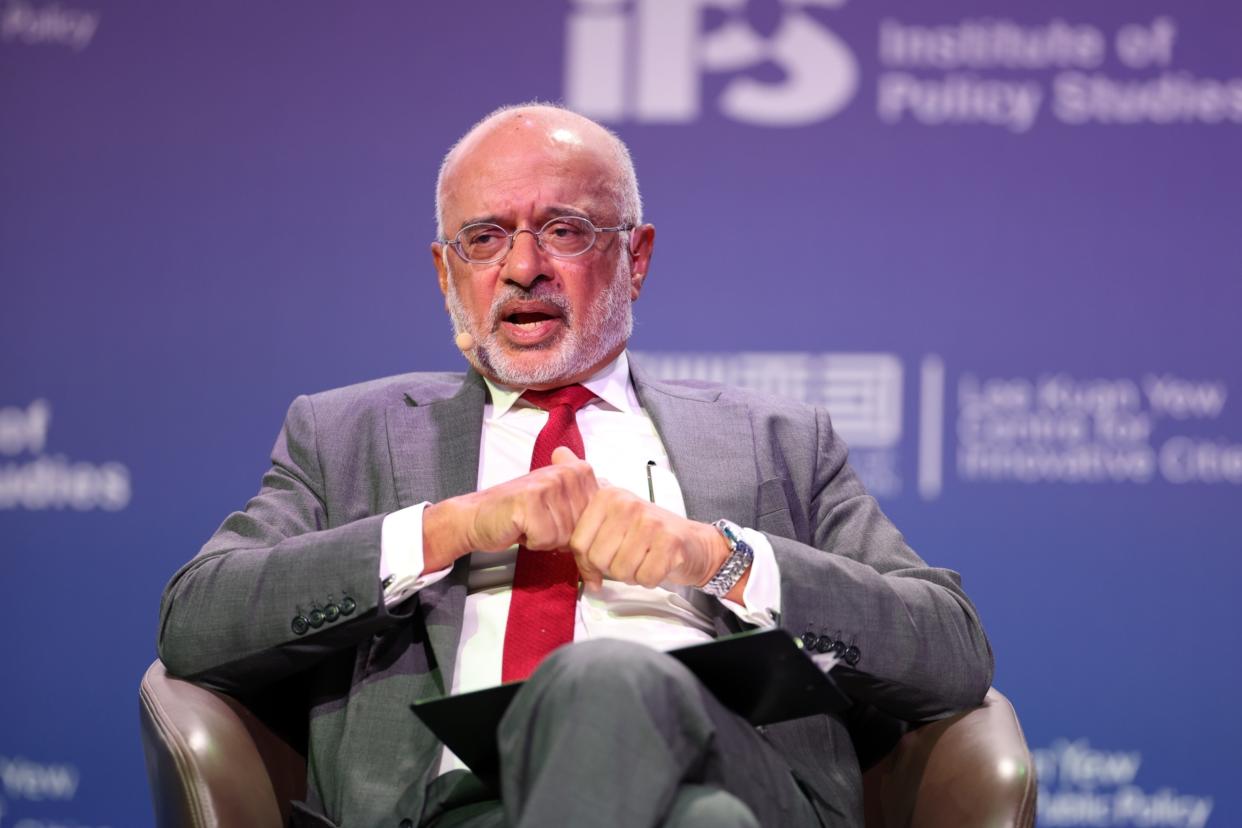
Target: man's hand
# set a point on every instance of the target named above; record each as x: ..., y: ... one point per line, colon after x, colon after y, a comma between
x: 625, y: 538
x: 538, y: 510
x: 612, y: 533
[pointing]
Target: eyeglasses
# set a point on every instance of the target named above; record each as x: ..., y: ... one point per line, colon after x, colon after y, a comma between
x: 563, y: 237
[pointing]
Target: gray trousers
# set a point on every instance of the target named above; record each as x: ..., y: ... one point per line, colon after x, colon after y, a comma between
x: 611, y: 733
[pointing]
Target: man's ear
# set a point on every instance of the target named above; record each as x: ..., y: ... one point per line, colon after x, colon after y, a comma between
x: 642, y: 243
x: 438, y: 252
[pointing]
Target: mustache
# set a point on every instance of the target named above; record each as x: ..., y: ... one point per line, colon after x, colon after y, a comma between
x: 541, y: 292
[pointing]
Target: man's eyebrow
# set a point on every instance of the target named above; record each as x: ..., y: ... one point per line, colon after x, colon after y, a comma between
x: 489, y: 219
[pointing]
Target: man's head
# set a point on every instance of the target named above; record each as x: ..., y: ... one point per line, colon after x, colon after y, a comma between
x: 539, y: 319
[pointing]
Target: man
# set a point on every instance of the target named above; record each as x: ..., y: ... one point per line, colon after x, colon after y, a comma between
x: 377, y: 561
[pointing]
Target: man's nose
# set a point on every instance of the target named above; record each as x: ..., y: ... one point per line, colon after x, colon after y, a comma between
x: 524, y: 264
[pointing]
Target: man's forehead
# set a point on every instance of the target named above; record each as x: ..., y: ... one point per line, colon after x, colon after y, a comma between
x: 530, y: 171
x: 510, y: 206
x: 509, y: 149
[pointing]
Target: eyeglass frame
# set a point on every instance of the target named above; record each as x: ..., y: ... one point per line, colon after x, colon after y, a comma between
x: 455, y: 242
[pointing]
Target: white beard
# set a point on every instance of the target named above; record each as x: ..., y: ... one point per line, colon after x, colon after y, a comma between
x: 582, y: 345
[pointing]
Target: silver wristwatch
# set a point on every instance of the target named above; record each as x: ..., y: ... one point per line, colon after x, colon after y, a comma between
x: 735, y: 566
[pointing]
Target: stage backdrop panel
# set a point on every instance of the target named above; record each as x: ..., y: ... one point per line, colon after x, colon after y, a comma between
x: 1000, y: 240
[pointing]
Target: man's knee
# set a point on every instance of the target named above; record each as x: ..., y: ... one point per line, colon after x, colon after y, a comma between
x: 608, y: 663
x: 700, y: 806
x: 612, y: 680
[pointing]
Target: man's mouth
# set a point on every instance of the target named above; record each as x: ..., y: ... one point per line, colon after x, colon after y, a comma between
x: 530, y: 323
x: 530, y: 318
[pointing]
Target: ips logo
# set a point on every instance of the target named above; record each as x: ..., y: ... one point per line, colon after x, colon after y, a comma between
x: 645, y: 60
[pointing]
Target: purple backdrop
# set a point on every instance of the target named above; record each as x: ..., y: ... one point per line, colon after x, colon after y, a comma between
x: 1001, y: 242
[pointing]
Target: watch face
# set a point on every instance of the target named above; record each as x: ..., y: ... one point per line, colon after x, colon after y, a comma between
x: 731, y: 531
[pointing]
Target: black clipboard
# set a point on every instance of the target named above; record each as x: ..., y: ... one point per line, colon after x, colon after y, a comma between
x: 762, y: 675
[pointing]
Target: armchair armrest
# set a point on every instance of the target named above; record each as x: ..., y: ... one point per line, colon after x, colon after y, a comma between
x: 971, y: 769
x: 210, y: 760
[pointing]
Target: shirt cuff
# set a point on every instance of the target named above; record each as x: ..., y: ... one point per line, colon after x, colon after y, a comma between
x: 762, y: 596
x: 401, y: 555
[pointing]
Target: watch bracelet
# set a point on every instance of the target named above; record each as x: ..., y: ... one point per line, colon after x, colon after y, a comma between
x: 731, y: 571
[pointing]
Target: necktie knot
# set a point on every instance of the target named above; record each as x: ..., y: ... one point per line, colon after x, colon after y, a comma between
x: 574, y: 396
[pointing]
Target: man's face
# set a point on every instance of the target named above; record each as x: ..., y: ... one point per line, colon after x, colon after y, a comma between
x: 538, y: 320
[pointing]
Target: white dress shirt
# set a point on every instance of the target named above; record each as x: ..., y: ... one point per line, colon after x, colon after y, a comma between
x: 622, y: 446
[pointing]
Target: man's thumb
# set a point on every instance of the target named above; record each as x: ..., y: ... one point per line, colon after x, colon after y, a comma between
x: 562, y: 455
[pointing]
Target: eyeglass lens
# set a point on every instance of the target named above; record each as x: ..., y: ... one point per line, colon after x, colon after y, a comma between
x: 564, y: 236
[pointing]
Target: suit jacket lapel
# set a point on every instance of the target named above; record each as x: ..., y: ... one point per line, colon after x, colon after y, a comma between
x: 435, y: 452
x: 710, y: 444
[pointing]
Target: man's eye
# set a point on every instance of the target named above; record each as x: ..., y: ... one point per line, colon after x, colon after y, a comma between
x: 564, y: 230
x: 483, y: 237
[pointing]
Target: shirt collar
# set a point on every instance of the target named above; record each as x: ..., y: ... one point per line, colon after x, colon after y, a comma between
x: 611, y: 384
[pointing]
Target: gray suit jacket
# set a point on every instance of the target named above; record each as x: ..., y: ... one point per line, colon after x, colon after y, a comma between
x: 345, y: 458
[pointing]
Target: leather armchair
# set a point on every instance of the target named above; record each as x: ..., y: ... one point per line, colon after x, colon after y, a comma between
x: 971, y: 769
x: 211, y: 761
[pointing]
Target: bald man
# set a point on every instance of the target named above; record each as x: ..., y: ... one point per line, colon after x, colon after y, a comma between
x: 554, y: 515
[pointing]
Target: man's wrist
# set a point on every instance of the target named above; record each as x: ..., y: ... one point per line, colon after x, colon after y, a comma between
x: 718, y: 552
x: 442, y: 539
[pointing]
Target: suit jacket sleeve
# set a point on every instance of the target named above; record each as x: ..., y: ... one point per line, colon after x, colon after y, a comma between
x: 227, y: 616
x: 847, y: 572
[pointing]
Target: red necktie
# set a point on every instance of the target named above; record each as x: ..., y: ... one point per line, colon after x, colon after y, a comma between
x: 545, y: 583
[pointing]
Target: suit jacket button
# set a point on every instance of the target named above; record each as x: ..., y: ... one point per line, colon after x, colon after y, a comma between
x: 331, y: 612
x: 838, y: 647
x: 852, y: 655
x: 824, y: 644
x: 809, y: 640
x: 316, y: 618
x: 300, y: 625
x: 347, y: 605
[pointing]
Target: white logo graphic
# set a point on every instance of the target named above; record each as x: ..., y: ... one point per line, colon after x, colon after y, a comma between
x: 52, y: 481
x: 645, y: 59
x: 1054, y: 429
x: 1061, y: 429
x: 862, y: 392
x: 23, y: 779
x: 48, y: 24
x: 1082, y: 785
x: 1006, y: 73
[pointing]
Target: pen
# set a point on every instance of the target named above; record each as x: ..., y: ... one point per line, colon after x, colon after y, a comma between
x: 650, y: 484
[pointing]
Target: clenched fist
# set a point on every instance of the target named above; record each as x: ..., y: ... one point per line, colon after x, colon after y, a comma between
x: 538, y: 510
x: 625, y: 538
x: 611, y: 532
